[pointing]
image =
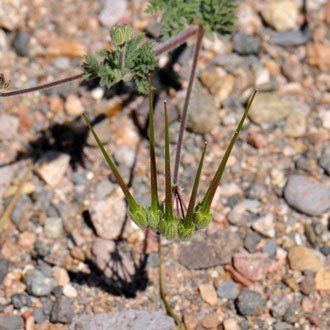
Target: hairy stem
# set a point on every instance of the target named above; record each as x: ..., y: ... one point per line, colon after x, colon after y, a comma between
x: 168, y: 307
x: 200, y: 35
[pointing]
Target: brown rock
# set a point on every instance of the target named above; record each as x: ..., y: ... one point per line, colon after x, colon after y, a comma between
x: 210, y: 321
x: 208, y: 294
x: 65, y: 47
x: 322, y: 280
x: 27, y: 239
x: 302, y: 259
x: 319, y: 55
x: 190, y: 320
x: 61, y: 276
x: 292, y: 68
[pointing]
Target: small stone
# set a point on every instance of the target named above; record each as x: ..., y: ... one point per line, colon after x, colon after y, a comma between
x: 102, y: 130
x: 3, y: 269
x: 231, y: 324
x: 324, y: 250
x: 61, y: 276
x: 324, y: 115
x: 42, y: 249
x: 210, y: 321
x: 280, y: 14
x: 73, y: 105
x: 190, y: 320
x: 62, y: 63
x: 322, y: 280
x: 251, y: 241
x: 69, y: 291
x: 53, y: 227
x: 11, y: 322
x: 208, y: 294
x: 12, y: 14
x: 295, y: 125
x: 250, y: 303
x: 246, y: 44
x: 124, y: 156
x: 113, y: 263
x: 282, y: 326
x: 270, y: 248
x: 265, y: 225
x: 52, y: 166
x: 21, y: 43
x: 270, y: 107
x: 27, y: 239
x: 21, y: 300
x: 252, y: 266
x: 292, y: 68
x: 307, y: 285
x: 153, y: 260
x: 6, y: 175
x: 103, y: 189
x: 62, y: 311
x: 294, y: 313
x: 108, y: 216
x: 279, y: 309
x: 290, y: 38
x: 257, y: 140
x: 112, y: 12
x: 302, y: 259
x: 306, y: 195
x: 325, y: 159
x: 61, y: 47
x: 319, y: 55
x: 38, y: 284
x: 39, y: 316
x: 8, y: 127
x: 227, y: 290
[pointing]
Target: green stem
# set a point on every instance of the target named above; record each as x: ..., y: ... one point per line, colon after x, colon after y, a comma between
x: 168, y: 307
x: 208, y: 198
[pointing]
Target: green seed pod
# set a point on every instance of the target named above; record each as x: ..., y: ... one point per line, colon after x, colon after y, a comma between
x: 201, y: 217
x: 186, y: 231
x: 153, y: 218
x: 138, y: 215
x: 120, y: 34
x: 169, y: 227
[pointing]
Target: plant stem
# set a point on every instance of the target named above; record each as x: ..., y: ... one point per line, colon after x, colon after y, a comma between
x: 168, y: 307
x: 40, y: 87
x: 200, y: 35
x: 164, y: 47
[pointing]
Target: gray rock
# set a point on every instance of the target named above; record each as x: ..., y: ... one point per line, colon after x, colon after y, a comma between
x: 42, y: 249
x: 20, y: 300
x: 282, y: 326
x: 325, y: 159
x: 290, y: 38
x: 306, y: 195
x: 246, y: 44
x: 126, y: 320
x: 39, y: 316
x: 250, y: 303
x: 112, y: 11
x: 103, y: 189
x: 21, y: 43
x: 324, y: 249
x: 11, y: 322
x: 3, y: 269
x: 270, y: 107
x: 279, y: 309
x: 251, y: 241
x: 227, y: 290
x: 270, y: 248
x: 9, y: 126
x: 153, y: 260
x: 294, y: 313
x: 124, y: 156
x: 38, y: 284
x: 62, y: 311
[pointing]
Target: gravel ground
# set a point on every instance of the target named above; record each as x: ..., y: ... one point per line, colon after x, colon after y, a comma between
x: 71, y: 258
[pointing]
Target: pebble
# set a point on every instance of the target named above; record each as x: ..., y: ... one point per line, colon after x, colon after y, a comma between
x: 282, y: 326
x: 62, y: 63
x: 265, y: 225
x: 290, y: 38
x: 307, y: 195
x: 38, y: 284
x: 62, y: 311
x: 270, y: 248
x: 3, y: 269
x: 210, y: 321
x: 190, y: 320
x: 8, y: 127
x: 295, y: 125
x: 294, y: 313
x: 251, y: 241
x: 292, y: 69
x: 325, y: 117
x: 322, y: 280
x: 128, y: 319
x: 280, y: 14
x: 21, y: 43
x: 325, y: 159
x: 307, y: 285
x: 6, y: 175
x: 73, y: 105
x: 208, y: 294
x: 102, y: 130
x: 153, y: 260
x: 227, y: 290
x: 200, y: 122
x: 39, y: 316
x: 231, y: 324
x: 250, y: 303
x: 124, y: 156
x: 302, y: 259
x: 61, y: 276
x: 42, y: 249
x: 11, y: 322
x: 319, y: 55
x: 112, y: 12
x: 53, y: 227
x: 69, y: 291
x: 21, y: 300
x: 246, y: 44
x: 253, y: 266
x: 279, y: 309
x: 103, y: 189
x: 108, y: 216
x: 270, y: 107
x: 107, y: 260
x: 52, y: 166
